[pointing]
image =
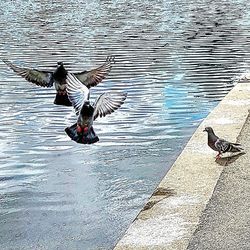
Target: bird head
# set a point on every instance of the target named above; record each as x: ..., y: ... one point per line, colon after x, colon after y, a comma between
x: 59, y: 64
x: 86, y: 103
x: 87, y: 109
x: 208, y: 129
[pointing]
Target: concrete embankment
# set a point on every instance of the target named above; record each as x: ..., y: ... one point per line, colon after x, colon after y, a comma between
x: 172, y: 214
x: 225, y: 223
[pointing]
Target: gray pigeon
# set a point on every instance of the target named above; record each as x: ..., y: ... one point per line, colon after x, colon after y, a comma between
x: 58, y: 78
x: 221, y: 145
x: 82, y: 131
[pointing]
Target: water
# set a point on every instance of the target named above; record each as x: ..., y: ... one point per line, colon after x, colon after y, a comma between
x: 175, y: 59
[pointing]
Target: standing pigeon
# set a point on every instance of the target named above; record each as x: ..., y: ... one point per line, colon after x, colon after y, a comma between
x: 221, y: 145
x: 82, y: 131
x: 58, y: 78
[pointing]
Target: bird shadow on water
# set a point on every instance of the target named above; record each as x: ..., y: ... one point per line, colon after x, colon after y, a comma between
x: 225, y: 161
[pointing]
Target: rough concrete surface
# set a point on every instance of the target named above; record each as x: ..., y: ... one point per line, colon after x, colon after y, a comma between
x: 168, y: 221
x: 225, y: 224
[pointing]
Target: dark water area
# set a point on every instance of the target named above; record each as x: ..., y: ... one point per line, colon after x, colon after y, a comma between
x: 175, y: 59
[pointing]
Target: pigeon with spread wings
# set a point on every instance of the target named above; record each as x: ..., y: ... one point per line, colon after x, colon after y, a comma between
x: 82, y: 131
x: 58, y: 78
x: 221, y: 145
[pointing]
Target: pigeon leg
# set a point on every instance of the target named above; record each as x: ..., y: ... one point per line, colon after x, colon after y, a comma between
x: 218, y: 156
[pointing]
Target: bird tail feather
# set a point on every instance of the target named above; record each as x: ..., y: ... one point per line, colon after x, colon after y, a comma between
x: 62, y: 100
x: 235, y: 147
x: 88, y: 137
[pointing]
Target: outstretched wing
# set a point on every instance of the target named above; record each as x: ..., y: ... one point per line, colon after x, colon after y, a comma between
x: 40, y: 78
x: 77, y: 92
x: 95, y: 76
x: 108, y: 102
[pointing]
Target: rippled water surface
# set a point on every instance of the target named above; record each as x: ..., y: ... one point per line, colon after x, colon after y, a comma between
x: 175, y: 59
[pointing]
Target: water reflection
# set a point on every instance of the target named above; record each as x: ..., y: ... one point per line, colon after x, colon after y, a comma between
x: 175, y: 59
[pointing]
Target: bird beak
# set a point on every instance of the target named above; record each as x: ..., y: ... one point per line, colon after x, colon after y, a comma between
x: 204, y: 130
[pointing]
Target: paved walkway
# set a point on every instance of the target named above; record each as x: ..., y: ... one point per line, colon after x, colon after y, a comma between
x: 225, y: 223
x: 205, y: 204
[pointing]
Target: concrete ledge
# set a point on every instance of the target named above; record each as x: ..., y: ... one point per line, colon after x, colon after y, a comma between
x: 172, y: 214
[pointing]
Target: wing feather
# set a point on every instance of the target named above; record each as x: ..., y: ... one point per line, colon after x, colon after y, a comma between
x: 226, y: 146
x: 108, y: 102
x: 40, y: 78
x: 77, y: 92
x: 95, y: 76
x: 221, y: 145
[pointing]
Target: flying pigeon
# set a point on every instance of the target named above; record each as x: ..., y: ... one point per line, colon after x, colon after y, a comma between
x: 58, y: 78
x: 82, y: 131
x: 221, y: 145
